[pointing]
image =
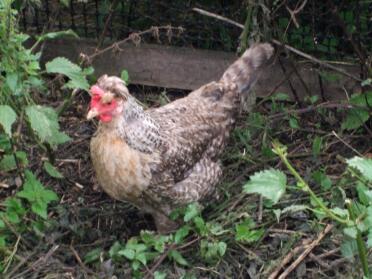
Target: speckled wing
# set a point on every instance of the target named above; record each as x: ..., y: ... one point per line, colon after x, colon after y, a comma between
x: 191, y: 127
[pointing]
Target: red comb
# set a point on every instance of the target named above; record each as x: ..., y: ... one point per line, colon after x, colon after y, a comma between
x: 96, y: 90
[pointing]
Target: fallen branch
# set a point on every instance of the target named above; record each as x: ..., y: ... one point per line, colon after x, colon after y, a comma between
x: 304, y: 254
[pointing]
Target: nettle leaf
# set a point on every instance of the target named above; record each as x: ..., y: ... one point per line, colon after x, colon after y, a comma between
x: 8, y: 162
x: 317, y: 146
x: 160, y: 275
x: 62, y: 65
x: 369, y: 240
x: 349, y: 248
x: 269, y: 183
x: 51, y: 170
x: 14, y: 210
x: 125, y: 76
x: 44, y: 121
x: 93, y: 255
x: 177, y: 257
x: 364, y: 165
x: 35, y: 193
x: 293, y: 123
x: 244, y: 233
x: 7, y: 118
x: 322, y: 179
x: 128, y: 253
x: 192, y: 210
x: 181, y: 234
x: 357, y: 116
x: 58, y: 34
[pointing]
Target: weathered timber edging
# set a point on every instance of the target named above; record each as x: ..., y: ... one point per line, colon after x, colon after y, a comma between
x: 186, y: 68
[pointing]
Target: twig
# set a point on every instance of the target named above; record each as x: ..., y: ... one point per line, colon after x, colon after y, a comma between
x: 222, y: 18
x: 312, y: 108
x: 10, y: 259
x: 288, y: 257
x: 315, y: 243
x: 294, y: 12
x: 108, y: 20
x: 348, y: 145
x: 132, y: 37
x: 77, y: 257
x: 150, y: 272
x: 316, y: 60
x: 292, y: 49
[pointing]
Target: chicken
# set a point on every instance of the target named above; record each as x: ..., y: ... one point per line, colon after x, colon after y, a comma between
x: 162, y: 158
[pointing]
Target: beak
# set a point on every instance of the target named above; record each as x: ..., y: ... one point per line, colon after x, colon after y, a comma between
x: 92, y: 113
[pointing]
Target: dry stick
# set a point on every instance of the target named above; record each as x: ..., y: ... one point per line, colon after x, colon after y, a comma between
x: 292, y: 49
x: 288, y: 257
x: 348, y: 145
x: 108, y: 20
x: 315, y: 243
x: 82, y: 265
x: 131, y: 37
x: 294, y: 12
x: 150, y: 272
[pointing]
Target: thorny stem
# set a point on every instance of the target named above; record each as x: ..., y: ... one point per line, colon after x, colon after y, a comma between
x: 302, y: 184
x: 360, y: 243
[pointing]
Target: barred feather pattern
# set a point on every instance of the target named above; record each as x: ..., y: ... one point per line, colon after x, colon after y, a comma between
x: 168, y: 156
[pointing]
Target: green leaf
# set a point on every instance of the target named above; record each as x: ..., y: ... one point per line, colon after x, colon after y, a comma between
x: 125, y: 76
x: 317, y: 145
x: 369, y: 239
x: 357, y: 116
x: 269, y: 183
x: 93, y: 255
x: 114, y: 250
x: 44, y: 121
x: 58, y: 34
x: 7, y: 118
x: 192, y: 210
x: 280, y: 96
x: 364, y: 165
x: 160, y: 275
x: 349, y: 248
x: 293, y: 122
x: 8, y: 162
x: 128, y: 253
x: 141, y: 257
x: 2, y: 242
x: 244, y: 233
x: 62, y: 65
x: 200, y: 226
x: 351, y: 232
x: 51, y: 170
x: 222, y: 246
x: 177, y: 257
x: 343, y: 213
x: 39, y: 197
x: 181, y: 234
x: 364, y: 194
x: 322, y: 179
x: 14, y: 210
x: 12, y: 80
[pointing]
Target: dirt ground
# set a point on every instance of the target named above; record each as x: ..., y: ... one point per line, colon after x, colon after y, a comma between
x: 86, y: 218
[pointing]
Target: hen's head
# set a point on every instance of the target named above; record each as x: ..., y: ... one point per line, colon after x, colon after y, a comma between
x: 108, y: 98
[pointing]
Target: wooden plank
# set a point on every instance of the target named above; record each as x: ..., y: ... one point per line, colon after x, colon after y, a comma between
x: 186, y: 68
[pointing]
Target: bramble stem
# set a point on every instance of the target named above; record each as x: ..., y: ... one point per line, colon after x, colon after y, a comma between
x: 360, y: 243
x: 302, y: 184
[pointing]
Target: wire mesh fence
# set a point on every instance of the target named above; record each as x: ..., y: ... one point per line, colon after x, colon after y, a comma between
x: 315, y: 28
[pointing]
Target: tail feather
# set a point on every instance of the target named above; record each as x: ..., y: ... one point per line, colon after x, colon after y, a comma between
x: 245, y: 71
